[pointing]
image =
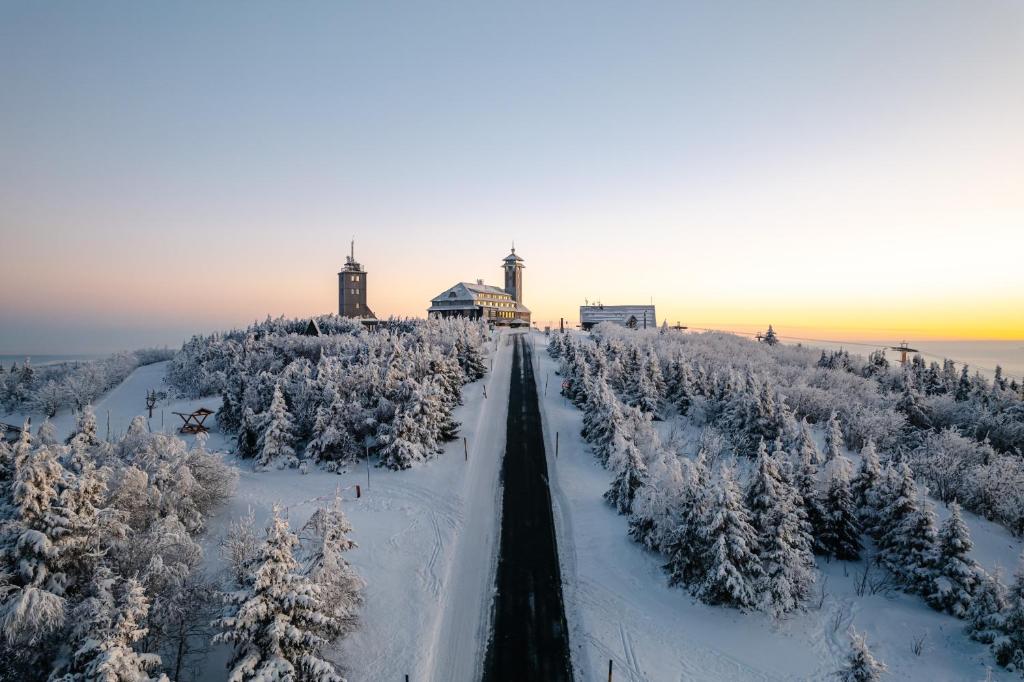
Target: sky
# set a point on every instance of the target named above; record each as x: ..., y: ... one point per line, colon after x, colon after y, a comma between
x: 841, y: 170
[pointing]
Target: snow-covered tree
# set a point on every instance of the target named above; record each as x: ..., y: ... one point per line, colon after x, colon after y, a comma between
x: 986, y: 616
x: 783, y: 545
x: 861, y: 665
x: 628, y: 470
x: 47, y: 434
x: 278, y: 437
x: 956, y: 574
x: 733, y: 569
x: 333, y: 439
x: 907, y: 545
x: 1008, y: 646
x: 840, y: 534
x: 325, y: 539
x: 685, y: 543
x: 865, y: 481
x: 32, y: 585
x: 107, y: 625
x: 279, y: 625
x: 833, y: 438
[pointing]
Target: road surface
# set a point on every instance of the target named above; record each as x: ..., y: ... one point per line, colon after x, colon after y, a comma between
x: 530, y: 638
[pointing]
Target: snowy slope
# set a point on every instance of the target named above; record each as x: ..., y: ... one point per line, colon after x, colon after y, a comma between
x: 619, y: 605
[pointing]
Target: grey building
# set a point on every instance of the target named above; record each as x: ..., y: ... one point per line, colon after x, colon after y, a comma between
x: 479, y: 301
x: 352, y: 289
x: 634, y: 316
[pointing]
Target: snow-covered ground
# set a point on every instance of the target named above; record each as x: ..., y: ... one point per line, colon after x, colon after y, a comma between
x: 427, y: 536
x: 619, y: 605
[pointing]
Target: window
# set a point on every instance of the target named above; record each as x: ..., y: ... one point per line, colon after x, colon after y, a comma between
x: 357, y: 306
x: 353, y: 278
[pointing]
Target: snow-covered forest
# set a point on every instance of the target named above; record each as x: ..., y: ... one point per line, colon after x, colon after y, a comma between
x: 49, y: 388
x: 105, y: 567
x: 332, y: 395
x: 768, y: 455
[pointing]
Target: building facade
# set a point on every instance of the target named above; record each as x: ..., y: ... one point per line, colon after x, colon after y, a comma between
x: 352, y: 289
x: 634, y: 316
x: 479, y: 301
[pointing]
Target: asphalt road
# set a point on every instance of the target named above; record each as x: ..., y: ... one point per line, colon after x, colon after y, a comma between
x: 529, y: 638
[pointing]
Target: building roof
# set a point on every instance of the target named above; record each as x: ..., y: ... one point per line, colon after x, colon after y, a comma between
x: 466, y: 291
x: 512, y: 257
x: 462, y: 296
x: 595, y: 314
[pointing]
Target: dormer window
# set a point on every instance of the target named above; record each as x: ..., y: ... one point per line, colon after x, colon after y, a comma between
x: 452, y: 294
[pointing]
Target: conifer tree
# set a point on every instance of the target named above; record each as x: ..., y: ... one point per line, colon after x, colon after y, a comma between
x: 860, y: 666
x: 685, y: 545
x: 783, y: 546
x: 654, y: 513
x: 956, y: 573
x: 908, y: 543
x: 326, y: 537
x: 332, y: 436
x: 805, y: 478
x: 276, y: 442
x: 986, y: 616
x: 602, y: 418
x: 629, y: 471
x: 865, y: 482
x: 47, y: 434
x: 841, y: 530
x: 107, y: 626
x: 733, y: 569
x: 1008, y: 646
x: 833, y: 438
x: 280, y: 624
x: 32, y: 592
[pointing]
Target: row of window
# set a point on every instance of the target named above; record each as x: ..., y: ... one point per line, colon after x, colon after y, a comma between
x: 354, y: 278
x: 353, y: 292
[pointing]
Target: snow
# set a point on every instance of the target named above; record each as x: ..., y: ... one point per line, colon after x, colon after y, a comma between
x: 427, y: 536
x: 427, y: 551
x: 619, y: 605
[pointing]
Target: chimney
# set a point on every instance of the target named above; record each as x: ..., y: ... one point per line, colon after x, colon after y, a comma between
x: 480, y: 282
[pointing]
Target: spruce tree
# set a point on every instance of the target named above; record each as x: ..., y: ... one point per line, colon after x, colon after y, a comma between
x: 805, y: 478
x: 629, y: 471
x: 279, y: 625
x: 865, y: 481
x: 860, y: 666
x: 685, y: 546
x: 956, y: 574
x: 783, y: 546
x: 733, y: 570
x: 1008, y: 646
x: 276, y: 442
x: 841, y: 530
x: 108, y: 624
x: 833, y: 438
x: 986, y: 616
x: 326, y: 539
x: 32, y: 601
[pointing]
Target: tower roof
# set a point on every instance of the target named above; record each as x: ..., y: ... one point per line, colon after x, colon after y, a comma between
x: 512, y: 257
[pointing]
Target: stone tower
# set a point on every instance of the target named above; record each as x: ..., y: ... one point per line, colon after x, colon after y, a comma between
x: 514, y: 275
x: 352, y: 288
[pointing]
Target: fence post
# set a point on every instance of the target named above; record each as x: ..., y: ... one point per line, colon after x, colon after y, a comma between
x: 465, y: 446
x: 609, y: 670
x: 359, y: 492
x: 556, y: 444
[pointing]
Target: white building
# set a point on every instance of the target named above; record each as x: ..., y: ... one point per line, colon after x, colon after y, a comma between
x: 481, y: 301
x: 634, y: 316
